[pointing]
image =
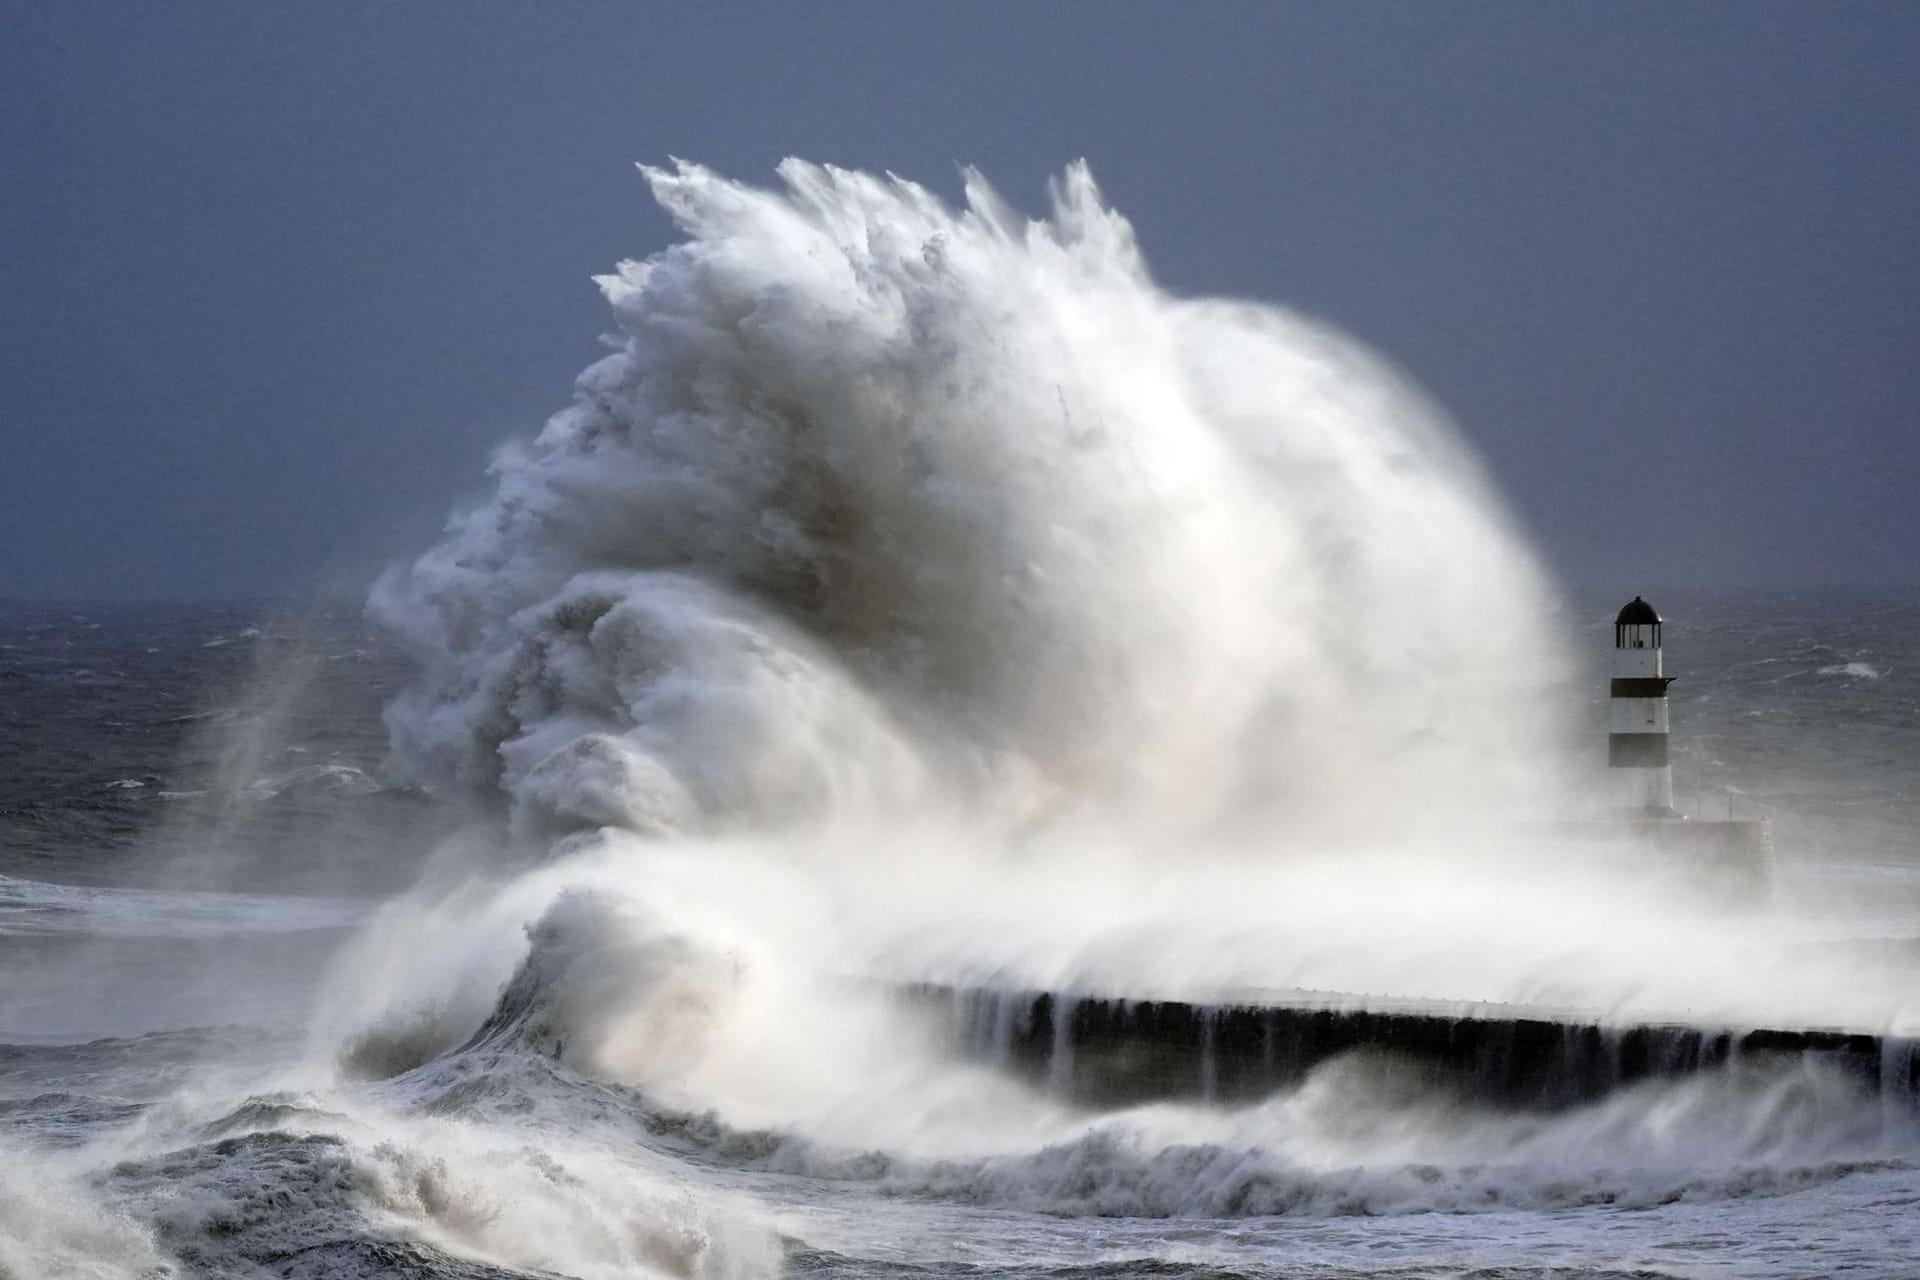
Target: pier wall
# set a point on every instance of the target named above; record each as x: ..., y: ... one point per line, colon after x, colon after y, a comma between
x: 1108, y: 1052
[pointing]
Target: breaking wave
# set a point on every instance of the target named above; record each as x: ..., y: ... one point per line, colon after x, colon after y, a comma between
x: 917, y: 587
x: 881, y: 508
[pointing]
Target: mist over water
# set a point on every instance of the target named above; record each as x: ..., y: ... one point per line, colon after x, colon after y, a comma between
x: 922, y: 594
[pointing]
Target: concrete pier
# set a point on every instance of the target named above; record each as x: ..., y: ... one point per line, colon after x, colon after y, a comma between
x: 1108, y: 1052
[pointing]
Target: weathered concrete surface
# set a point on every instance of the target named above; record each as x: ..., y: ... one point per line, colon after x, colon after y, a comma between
x: 1109, y: 1052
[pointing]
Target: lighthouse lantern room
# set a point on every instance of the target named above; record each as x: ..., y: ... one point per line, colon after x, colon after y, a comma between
x: 1637, y: 730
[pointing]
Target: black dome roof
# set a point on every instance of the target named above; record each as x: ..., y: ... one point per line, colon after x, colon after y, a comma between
x: 1637, y: 613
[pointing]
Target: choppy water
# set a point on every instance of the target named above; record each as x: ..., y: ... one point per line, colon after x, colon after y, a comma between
x: 161, y: 1113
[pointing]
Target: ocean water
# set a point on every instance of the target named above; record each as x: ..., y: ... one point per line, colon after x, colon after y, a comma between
x: 919, y: 594
x: 167, y: 945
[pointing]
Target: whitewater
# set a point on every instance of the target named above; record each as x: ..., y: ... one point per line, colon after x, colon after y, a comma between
x: 920, y: 593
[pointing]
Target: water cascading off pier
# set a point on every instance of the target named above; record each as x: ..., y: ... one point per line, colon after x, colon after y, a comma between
x: 1104, y: 1051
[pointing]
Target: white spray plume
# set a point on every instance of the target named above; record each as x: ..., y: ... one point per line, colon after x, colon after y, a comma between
x: 924, y: 594
x: 882, y: 510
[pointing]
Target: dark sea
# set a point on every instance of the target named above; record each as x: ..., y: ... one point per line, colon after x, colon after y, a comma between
x: 195, y: 825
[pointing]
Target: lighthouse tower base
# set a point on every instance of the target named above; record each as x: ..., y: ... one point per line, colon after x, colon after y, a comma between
x: 1729, y: 861
x: 1719, y: 862
x: 1642, y: 793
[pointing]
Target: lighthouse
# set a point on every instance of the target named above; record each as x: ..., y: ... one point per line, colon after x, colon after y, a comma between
x: 1637, y: 715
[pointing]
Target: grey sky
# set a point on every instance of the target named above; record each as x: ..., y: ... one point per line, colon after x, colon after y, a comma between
x: 274, y: 277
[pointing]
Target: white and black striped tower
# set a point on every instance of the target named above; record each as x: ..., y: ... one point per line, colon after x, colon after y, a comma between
x: 1637, y: 715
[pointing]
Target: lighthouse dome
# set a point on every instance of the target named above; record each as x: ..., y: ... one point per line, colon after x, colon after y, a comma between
x: 1637, y: 613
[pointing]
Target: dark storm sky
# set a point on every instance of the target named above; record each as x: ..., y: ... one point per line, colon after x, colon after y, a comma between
x: 275, y: 277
